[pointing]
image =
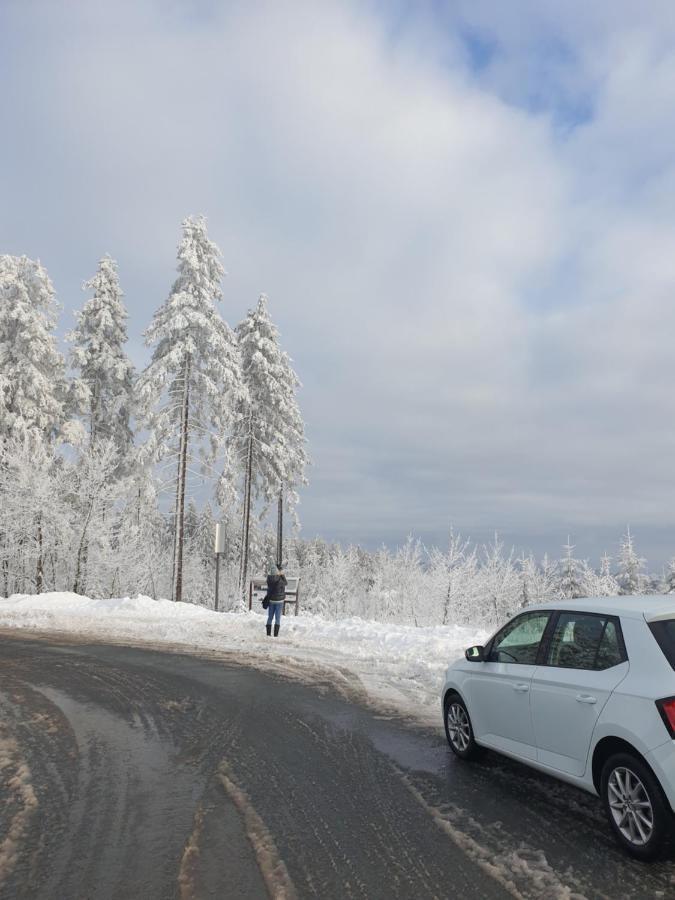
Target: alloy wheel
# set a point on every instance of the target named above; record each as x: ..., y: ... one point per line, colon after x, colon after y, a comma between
x: 630, y: 806
x: 459, y: 729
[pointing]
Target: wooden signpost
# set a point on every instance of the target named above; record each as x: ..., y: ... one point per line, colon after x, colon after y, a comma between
x: 257, y: 589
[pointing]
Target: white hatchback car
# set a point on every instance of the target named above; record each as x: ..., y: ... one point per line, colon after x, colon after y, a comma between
x: 585, y: 691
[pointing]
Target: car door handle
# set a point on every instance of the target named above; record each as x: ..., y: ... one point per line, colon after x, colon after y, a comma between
x: 586, y: 698
x: 521, y: 688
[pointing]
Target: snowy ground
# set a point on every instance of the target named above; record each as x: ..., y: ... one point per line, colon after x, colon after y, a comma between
x: 398, y: 665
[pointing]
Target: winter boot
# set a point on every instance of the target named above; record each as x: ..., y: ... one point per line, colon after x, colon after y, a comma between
x: 269, y: 628
x: 276, y: 630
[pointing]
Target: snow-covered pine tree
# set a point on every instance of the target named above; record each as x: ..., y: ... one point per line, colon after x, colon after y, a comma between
x: 528, y: 574
x: 268, y: 438
x: 602, y: 583
x: 103, y: 390
x: 669, y: 577
x: 32, y: 380
x: 630, y: 576
x: 571, y: 574
x: 189, y: 388
x: 32, y: 383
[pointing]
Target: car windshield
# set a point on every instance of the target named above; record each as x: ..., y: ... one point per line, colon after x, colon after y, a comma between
x: 664, y: 632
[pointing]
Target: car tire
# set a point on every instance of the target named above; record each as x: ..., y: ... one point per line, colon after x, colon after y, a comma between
x: 636, y: 807
x: 458, y: 728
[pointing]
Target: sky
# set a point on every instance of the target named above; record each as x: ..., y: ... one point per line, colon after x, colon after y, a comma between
x: 463, y: 214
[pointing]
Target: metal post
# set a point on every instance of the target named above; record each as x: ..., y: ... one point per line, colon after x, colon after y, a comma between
x: 217, y: 578
x: 219, y: 549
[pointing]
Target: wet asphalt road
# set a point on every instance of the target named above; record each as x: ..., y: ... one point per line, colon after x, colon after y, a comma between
x: 130, y: 773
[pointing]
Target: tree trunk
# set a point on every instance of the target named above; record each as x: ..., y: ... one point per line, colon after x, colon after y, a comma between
x: 39, y: 572
x: 82, y: 552
x: 280, y: 528
x: 4, y: 542
x: 93, y: 412
x: 180, y: 496
x: 243, y: 572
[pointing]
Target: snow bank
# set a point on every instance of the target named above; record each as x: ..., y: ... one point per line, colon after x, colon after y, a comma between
x: 398, y: 664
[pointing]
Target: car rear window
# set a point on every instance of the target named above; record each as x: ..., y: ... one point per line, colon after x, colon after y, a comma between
x: 664, y: 632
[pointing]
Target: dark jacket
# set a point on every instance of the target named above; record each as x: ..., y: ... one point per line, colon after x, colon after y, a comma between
x: 276, y: 588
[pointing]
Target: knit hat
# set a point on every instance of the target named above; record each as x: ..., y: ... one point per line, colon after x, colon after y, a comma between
x: 272, y: 569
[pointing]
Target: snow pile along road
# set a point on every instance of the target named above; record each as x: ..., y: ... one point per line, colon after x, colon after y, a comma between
x: 398, y: 664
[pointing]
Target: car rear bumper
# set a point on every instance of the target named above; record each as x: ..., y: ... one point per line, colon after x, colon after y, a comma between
x: 662, y: 761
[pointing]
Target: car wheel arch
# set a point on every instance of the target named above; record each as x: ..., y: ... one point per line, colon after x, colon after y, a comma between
x: 608, y: 747
x: 451, y: 692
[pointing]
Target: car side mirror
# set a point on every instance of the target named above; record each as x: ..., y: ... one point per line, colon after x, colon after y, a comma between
x: 475, y: 654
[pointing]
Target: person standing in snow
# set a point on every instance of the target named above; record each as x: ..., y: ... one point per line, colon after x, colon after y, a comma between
x: 276, y: 594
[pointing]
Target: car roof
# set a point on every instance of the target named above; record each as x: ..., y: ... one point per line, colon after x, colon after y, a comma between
x: 648, y: 606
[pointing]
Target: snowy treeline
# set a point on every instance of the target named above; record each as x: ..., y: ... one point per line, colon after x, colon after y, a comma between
x: 463, y: 584
x: 105, y: 534
x: 89, y: 449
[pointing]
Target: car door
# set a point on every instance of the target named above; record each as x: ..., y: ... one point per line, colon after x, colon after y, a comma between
x: 498, y: 689
x: 584, y: 662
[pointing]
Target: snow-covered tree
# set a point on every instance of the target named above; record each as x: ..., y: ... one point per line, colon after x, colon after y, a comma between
x: 538, y: 582
x: 452, y: 580
x: 144, y: 537
x: 500, y: 584
x: 32, y: 384
x: 630, y: 576
x: 570, y: 574
x: 92, y: 490
x: 103, y: 389
x: 601, y: 583
x: 268, y: 438
x: 34, y: 519
x: 668, y: 582
x: 188, y: 390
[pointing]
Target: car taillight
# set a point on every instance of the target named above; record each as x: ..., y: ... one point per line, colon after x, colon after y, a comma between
x: 667, y: 709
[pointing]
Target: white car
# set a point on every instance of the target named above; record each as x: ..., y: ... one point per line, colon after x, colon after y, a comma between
x: 585, y: 691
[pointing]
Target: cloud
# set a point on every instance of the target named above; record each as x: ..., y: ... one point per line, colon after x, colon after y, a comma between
x: 462, y: 218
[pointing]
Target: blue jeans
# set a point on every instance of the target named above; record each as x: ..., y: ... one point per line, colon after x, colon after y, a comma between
x: 274, y: 612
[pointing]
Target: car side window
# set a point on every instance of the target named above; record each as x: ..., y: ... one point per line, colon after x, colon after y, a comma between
x: 584, y: 641
x: 519, y: 639
x: 610, y: 652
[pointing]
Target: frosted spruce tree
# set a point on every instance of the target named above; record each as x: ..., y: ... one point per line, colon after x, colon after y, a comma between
x: 268, y: 440
x: 571, y: 574
x: 32, y: 383
x: 189, y: 388
x: 103, y: 390
x: 630, y: 576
